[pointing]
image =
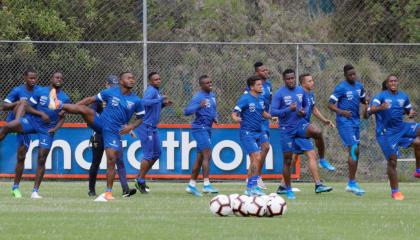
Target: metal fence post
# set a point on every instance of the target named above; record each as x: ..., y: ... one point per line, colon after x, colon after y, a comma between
x: 144, y: 45
x: 297, y: 62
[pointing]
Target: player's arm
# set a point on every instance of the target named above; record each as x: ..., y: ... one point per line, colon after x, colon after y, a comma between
x: 87, y: 101
x: 11, y: 100
x: 377, y: 105
x: 194, y: 105
x: 29, y: 108
x: 332, y: 103
x: 305, y: 105
x: 140, y: 112
x: 266, y: 115
x: 60, y: 123
x: 150, y: 99
x: 236, y: 113
x: 317, y: 113
x: 277, y: 108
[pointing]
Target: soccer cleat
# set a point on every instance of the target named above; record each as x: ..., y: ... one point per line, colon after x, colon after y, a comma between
x: 281, y: 189
x: 35, y: 195
x: 129, y: 193
x: 354, y: 188
x: 257, y: 191
x: 108, y: 196
x: 210, y: 189
x: 416, y: 174
x: 54, y: 102
x: 290, y: 194
x: 142, y: 187
x: 326, y: 165
x: 322, y: 188
x: 248, y: 192
x: 261, y: 183
x: 16, y: 193
x: 193, y: 190
x: 397, y: 196
x: 92, y: 193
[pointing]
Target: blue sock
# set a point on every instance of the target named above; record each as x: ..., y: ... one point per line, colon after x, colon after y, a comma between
x: 418, y: 170
x: 109, y: 189
x: 249, y: 183
x: 289, y: 188
x: 254, y: 180
x: 352, y: 181
x: 322, y: 159
x: 395, y: 190
x: 35, y: 190
x: 141, y: 180
x: 15, y: 186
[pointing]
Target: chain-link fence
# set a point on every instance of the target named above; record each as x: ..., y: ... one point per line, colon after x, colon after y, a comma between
x: 85, y: 66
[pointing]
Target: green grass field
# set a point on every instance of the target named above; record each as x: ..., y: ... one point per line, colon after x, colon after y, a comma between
x: 169, y: 213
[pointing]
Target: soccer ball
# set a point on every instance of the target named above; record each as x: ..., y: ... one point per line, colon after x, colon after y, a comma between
x: 220, y: 205
x: 231, y: 198
x: 276, y: 206
x: 256, y: 206
x: 238, y: 205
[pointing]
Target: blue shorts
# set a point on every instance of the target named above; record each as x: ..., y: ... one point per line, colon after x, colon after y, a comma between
x: 150, y: 142
x: 97, y: 124
x: 112, y: 139
x: 45, y: 138
x: 387, y: 150
x: 24, y: 139
x: 350, y: 135
x: 395, y: 137
x: 251, y: 141
x: 203, y: 138
x: 288, y: 137
x: 302, y: 145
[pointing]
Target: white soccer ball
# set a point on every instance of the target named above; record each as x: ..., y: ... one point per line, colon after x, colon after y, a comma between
x: 231, y: 198
x: 256, y: 206
x: 239, y: 206
x: 220, y: 205
x: 276, y: 206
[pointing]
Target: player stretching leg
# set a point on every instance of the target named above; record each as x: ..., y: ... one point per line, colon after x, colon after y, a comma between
x: 262, y: 71
x: 203, y: 105
x: 345, y: 102
x: 22, y: 92
x: 390, y: 106
x: 40, y: 120
x: 306, y: 145
x: 120, y: 105
x: 290, y: 104
x: 147, y: 132
x: 250, y: 112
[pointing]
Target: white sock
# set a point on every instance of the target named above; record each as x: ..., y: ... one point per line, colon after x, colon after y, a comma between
x: 206, y: 181
x: 193, y: 183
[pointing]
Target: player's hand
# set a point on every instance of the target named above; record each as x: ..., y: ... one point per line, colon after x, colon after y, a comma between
x: 45, y: 118
x: 203, y: 103
x: 126, y: 129
x: 266, y: 115
x: 293, y: 106
x: 329, y: 123
x: 301, y: 112
x: 275, y: 119
x: 346, y: 113
x: 236, y: 119
x: 216, y: 121
x: 167, y: 102
x: 384, y: 106
x: 52, y: 130
x: 412, y: 113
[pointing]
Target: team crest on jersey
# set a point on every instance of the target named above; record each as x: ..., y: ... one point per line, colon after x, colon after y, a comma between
x: 349, y: 95
x: 43, y: 100
x: 208, y: 103
x: 262, y: 104
x: 359, y: 91
x: 299, y: 97
x: 287, y: 100
x: 401, y: 102
x: 24, y: 98
x: 115, y: 101
x: 252, y: 107
x: 389, y: 101
x: 214, y: 99
x: 129, y: 104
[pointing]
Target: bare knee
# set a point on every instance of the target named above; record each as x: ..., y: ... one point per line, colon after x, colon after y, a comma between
x: 416, y: 143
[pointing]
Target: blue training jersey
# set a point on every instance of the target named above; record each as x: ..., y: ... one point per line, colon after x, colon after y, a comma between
x: 379, y: 122
x: 19, y: 93
x: 153, y: 103
x: 348, y: 97
x: 399, y: 104
x: 311, y: 103
x: 280, y: 106
x: 251, y: 109
x: 204, y: 116
x: 40, y: 101
x: 267, y: 91
x: 119, y: 108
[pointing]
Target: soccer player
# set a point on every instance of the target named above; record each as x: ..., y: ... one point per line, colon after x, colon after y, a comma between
x: 345, y: 102
x: 290, y: 104
x: 41, y: 120
x: 250, y: 112
x: 98, y: 149
x: 120, y: 105
x: 153, y: 102
x: 389, y: 107
x: 203, y: 105
x: 21, y: 93
x: 262, y: 71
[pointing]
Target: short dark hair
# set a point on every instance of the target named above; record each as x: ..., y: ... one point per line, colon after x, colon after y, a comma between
x: 251, y: 80
x: 121, y: 74
x: 288, y: 71
x: 151, y: 75
x: 384, y: 87
x: 302, y: 76
x: 202, y: 77
x: 347, y: 68
x: 257, y: 65
x: 29, y: 70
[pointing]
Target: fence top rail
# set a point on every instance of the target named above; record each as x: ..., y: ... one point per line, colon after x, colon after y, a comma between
x: 214, y: 43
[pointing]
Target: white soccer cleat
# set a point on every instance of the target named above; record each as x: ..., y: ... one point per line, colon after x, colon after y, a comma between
x: 261, y: 183
x: 35, y: 195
